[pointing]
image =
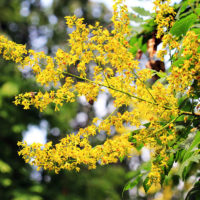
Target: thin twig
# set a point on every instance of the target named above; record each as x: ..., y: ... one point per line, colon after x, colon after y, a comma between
x: 115, y: 89
x: 130, y: 95
x: 144, y: 84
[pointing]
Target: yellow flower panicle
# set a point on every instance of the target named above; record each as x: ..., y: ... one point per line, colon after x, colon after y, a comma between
x: 75, y: 150
x: 164, y: 16
x: 12, y: 51
x: 115, y: 70
x: 184, y: 73
x: 165, y: 20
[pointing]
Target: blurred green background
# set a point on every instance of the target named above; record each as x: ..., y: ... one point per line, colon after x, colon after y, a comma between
x: 41, y: 26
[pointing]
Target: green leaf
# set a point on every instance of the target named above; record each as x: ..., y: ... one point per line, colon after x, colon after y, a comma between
x: 149, y: 25
x: 141, y: 11
x: 185, y: 104
x: 133, y: 174
x: 194, y: 158
x: 179, y: 63
x: 131, y: 184
x: 194, y: 144
x: 121, y: 158
x: 135, y: 132
x: 177, y: 155
x: 146, y: 185
x: 169, y: 164
x: 146, y: 124
x: 182, y: 154
x: 143, y: 169
x: 186, y: 171
x: 182, y: 100
x: 181, y: 26
x: 144, y: 48
x: 184, y: 6
x: 184, y: 14
x: 140, y: 42
x: 146, y: 166
x: 139, y: 146
x: 133, y: 40
x: 133, y: 50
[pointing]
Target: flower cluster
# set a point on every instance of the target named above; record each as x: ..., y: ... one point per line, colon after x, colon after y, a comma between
x: 74, y: 151
x: 114, y: 69
x: 186, y: 69
x: 165, y: 20
x: 165, y: 16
